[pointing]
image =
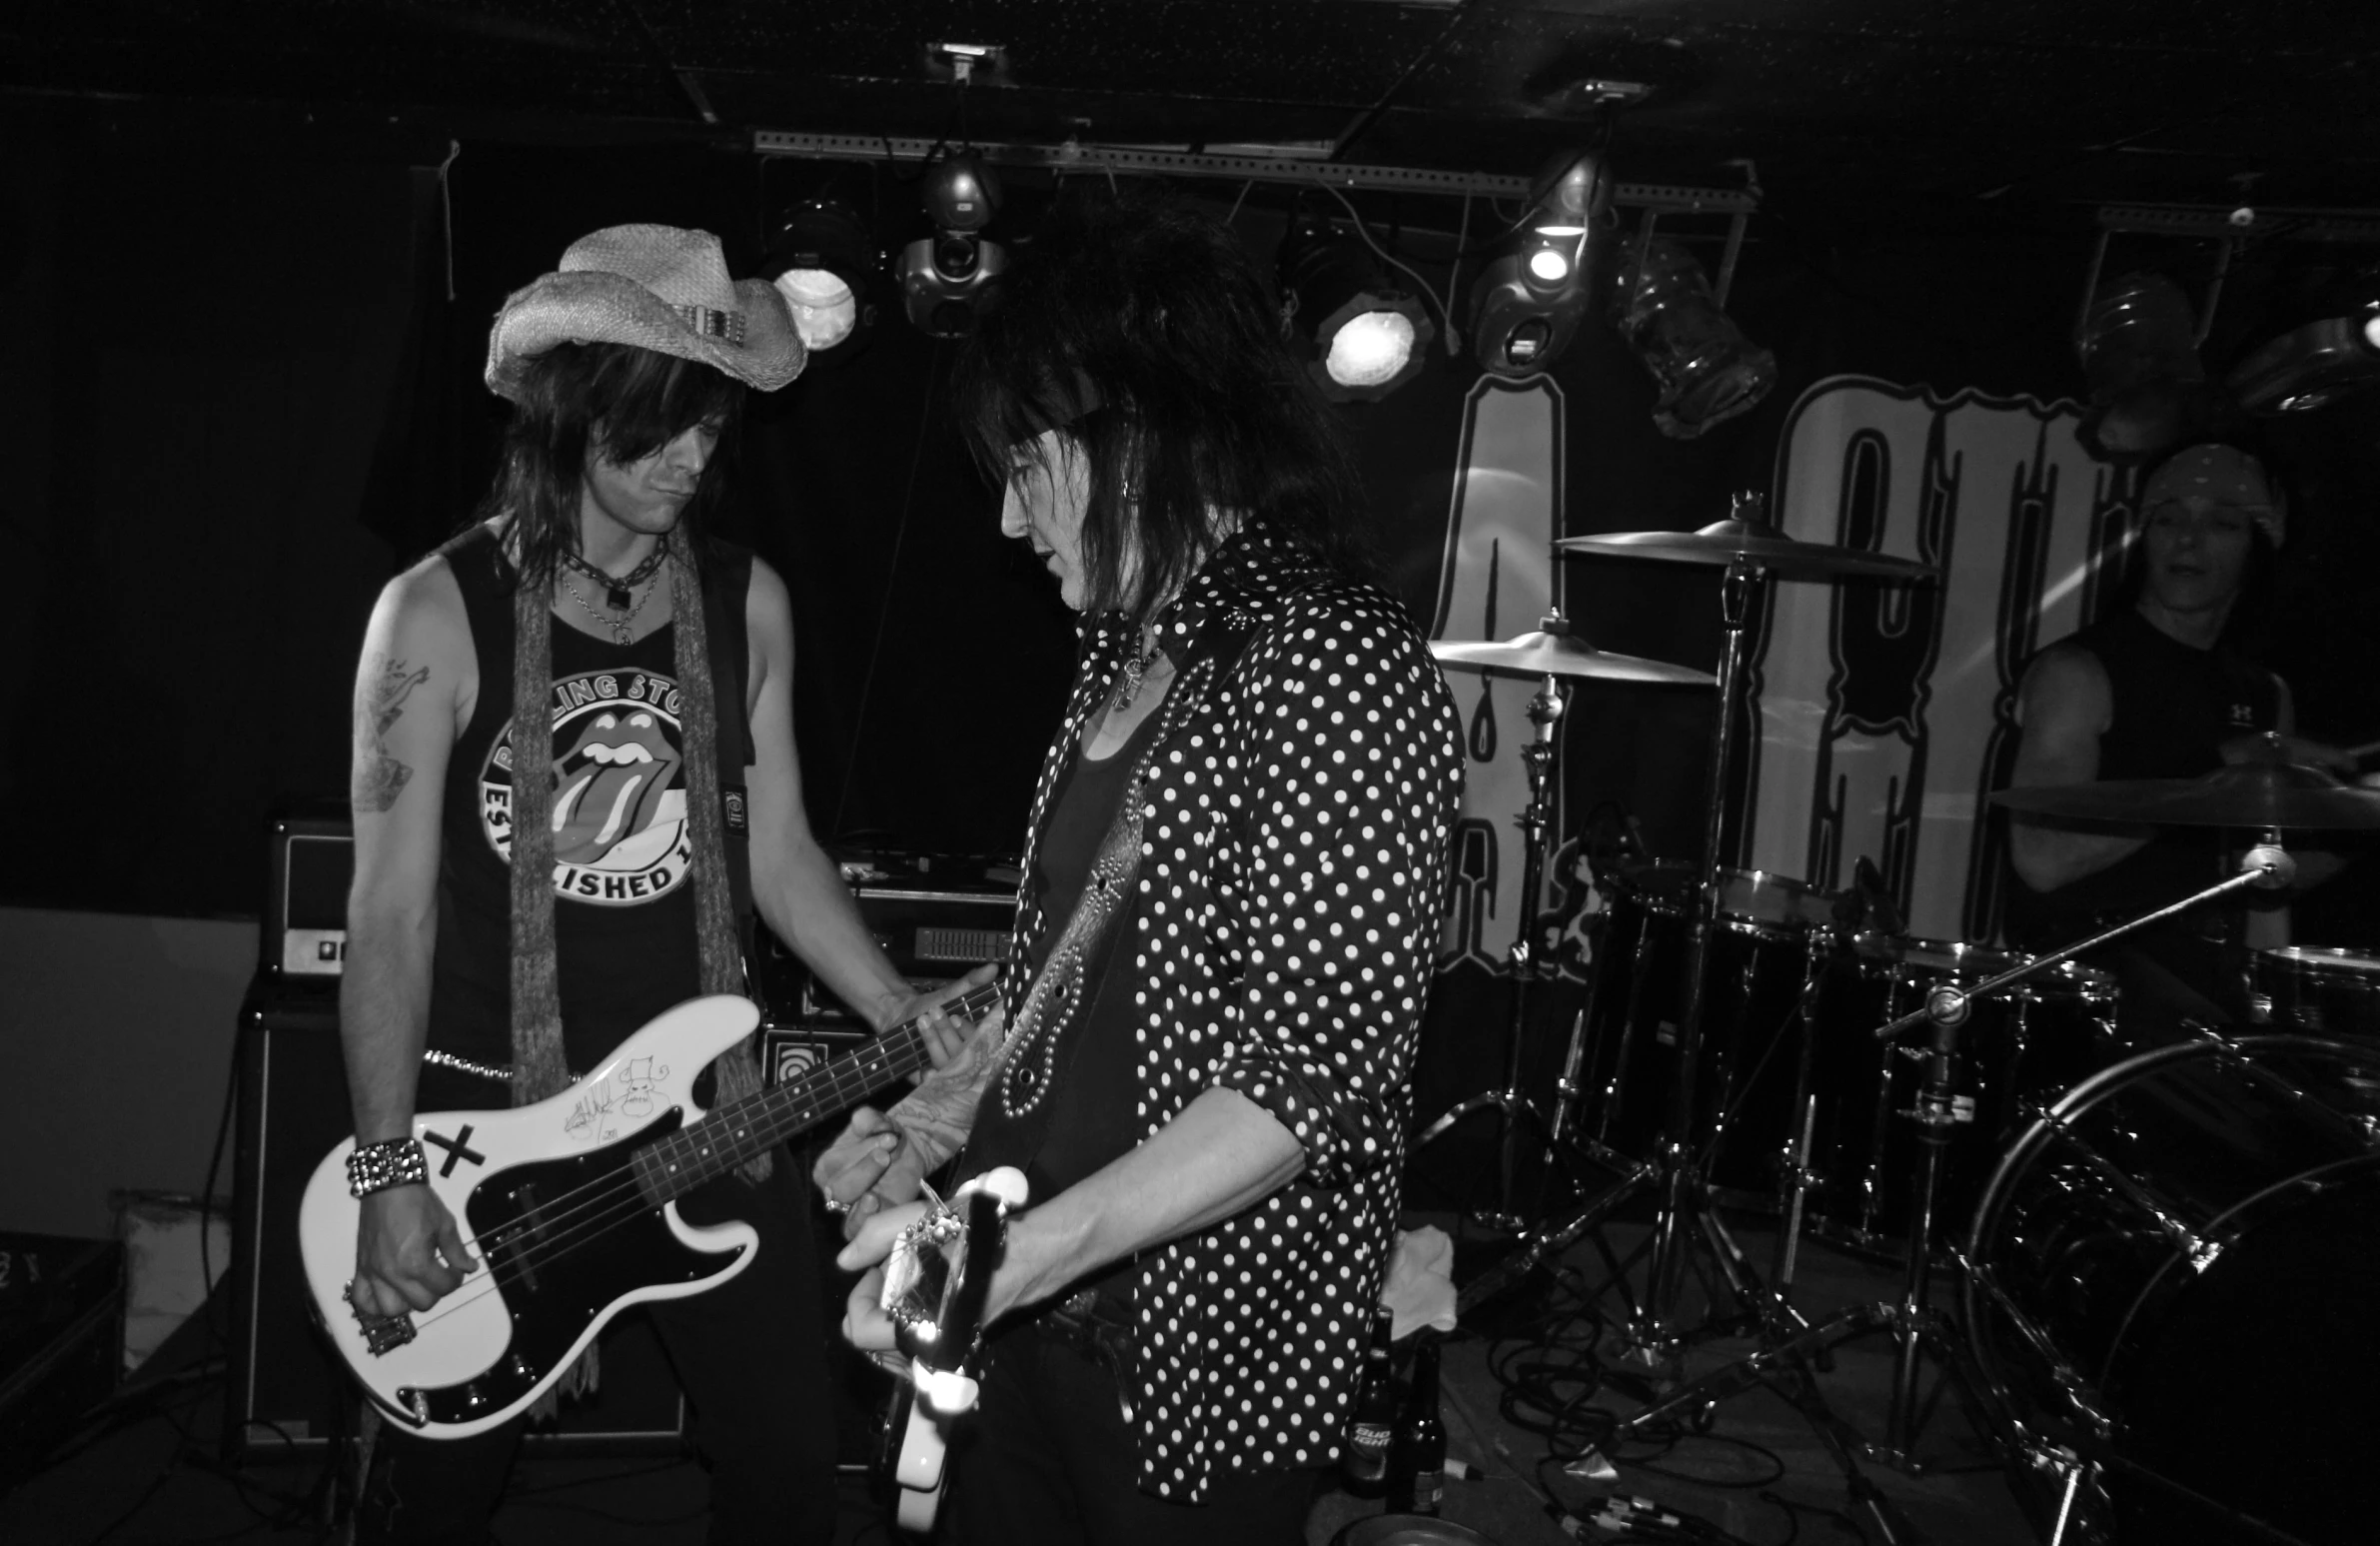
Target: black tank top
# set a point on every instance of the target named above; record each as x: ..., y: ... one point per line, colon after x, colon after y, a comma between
x: 1090, y: 1115
x: 2174, y: 706
x: 623, y: 913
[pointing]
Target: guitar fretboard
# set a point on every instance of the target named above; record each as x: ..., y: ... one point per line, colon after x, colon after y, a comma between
x: 669, y: 1166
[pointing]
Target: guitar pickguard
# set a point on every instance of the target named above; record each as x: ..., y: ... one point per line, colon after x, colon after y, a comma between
x: 566, y: 1240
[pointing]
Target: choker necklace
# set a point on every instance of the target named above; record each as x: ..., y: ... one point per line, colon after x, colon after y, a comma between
x: 618, y: 599
x: 616, y: 591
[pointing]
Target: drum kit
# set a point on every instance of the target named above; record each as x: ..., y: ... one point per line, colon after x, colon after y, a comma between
x: 2118, y: 1217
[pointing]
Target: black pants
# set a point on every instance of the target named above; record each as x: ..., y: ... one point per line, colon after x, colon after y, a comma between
x: 1047, y: 1457
x: 752, y: 1357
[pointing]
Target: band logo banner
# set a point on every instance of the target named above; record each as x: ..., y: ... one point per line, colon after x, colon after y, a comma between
x: 1885, y: 711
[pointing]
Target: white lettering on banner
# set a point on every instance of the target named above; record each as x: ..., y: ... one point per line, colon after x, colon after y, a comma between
x: 1497, y: 579
x: 1887, y: 711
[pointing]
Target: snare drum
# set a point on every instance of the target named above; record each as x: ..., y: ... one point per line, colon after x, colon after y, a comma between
x: 2180, y: 1257
x: 2320, y: 992
x: 2036, y: 1036
x: 1768, y: 945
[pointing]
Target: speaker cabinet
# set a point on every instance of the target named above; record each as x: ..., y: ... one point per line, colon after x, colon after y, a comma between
x: 289, y: 1393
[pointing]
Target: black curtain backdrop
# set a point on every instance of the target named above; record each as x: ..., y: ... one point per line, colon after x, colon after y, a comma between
x: 246, y: 378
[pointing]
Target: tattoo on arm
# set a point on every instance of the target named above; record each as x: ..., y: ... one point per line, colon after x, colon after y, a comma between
x: 935, y: 1117
x: 380, y: 698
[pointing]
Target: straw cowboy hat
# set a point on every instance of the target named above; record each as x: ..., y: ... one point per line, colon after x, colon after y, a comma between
x: 658, y: 288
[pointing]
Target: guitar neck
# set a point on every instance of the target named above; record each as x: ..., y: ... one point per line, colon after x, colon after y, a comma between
x: 670, y: 1166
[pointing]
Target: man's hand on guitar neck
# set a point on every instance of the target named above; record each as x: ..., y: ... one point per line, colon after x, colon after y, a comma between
x: 409, y: 1254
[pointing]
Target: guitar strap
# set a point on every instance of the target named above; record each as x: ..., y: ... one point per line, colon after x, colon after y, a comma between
x: 1040, y: 1044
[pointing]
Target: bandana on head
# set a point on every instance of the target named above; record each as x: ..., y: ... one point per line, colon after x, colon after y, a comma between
x: 2223, y: 474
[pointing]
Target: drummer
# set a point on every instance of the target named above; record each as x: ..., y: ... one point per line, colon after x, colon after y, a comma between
x: 2154, y: 691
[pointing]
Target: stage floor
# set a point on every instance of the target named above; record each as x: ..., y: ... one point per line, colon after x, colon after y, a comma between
x: 1759, y: 1473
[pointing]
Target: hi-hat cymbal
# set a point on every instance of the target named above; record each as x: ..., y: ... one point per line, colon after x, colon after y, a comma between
x: 1562, y: 655
x: 1723, y: 542
x: 2255, y: 794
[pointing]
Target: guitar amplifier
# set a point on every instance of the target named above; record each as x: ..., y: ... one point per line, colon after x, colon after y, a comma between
x: 313, y: 856
x: 61, y: 1340
x: 936, y: 917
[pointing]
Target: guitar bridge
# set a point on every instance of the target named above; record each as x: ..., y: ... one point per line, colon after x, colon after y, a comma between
x: 386, y: 1333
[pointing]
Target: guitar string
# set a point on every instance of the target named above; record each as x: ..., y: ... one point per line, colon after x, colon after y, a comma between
x: 559, y: 1224
x: 793, y: 1112
x: 903, y: 1041
x: 617, y: 1200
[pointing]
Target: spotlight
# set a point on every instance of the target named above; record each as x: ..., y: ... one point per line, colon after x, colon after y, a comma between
x: 1530, y: 299
x: 944, y: 276
x: 1707, y: 370
x: 2311, y: 366
x: 1362, y: 336
x: 960, y: 193
x: 2139, y: 350
x: 824, y: 264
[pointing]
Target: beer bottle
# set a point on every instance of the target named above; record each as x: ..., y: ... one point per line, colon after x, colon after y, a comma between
x: 1417, y: 1446
x: 1363, y: 1461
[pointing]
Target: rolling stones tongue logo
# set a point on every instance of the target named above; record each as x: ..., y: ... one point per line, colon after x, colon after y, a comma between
x: 619, y: 831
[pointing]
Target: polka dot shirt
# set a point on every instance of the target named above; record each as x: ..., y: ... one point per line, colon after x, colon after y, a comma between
x: 1292, y: 879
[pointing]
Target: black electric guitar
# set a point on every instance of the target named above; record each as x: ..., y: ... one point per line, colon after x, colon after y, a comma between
x: 935, y: 1280
x: 570, y: 1204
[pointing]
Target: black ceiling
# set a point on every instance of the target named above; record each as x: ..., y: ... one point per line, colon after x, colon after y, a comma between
x: 2198, y: 101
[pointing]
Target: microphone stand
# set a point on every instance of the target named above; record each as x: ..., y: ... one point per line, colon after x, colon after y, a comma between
x: 1916, y: 1328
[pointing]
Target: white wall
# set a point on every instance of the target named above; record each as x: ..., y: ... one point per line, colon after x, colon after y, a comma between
x: 117, y: 1033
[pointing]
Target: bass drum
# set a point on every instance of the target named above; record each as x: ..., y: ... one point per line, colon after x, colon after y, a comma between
x: 2178, y: 1258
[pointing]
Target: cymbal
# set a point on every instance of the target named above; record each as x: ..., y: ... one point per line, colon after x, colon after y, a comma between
x: 1562, y: 655
x: 2256, y: 793
x: 1723, y: 542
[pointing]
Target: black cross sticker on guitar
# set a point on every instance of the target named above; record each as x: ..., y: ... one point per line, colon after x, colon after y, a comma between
x: 457, y: 1148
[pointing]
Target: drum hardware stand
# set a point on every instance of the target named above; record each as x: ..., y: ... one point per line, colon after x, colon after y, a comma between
x: 1793, y: 1187
x: 1683, y: 1198
x: 1512, y: 1108
x: 1916, y: 1328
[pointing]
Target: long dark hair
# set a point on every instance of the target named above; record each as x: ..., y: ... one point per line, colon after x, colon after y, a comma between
x: 1143, y: 332
x: 620, y: 402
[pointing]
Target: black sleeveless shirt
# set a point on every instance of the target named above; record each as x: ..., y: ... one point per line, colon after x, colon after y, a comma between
x: 1090, y: 1117
x: 2174, y: 706
x: 624, y: 911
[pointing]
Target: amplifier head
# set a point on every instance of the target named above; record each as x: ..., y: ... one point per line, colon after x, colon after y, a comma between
x: 313, y: 862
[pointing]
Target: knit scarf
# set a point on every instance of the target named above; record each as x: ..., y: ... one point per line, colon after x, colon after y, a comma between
x: 541, y: 1067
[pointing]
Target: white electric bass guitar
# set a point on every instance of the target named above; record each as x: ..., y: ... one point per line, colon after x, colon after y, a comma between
x: 571, y: 1206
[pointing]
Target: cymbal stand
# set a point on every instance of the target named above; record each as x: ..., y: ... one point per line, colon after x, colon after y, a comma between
x: 1916, y: 1328
x: 1536, y: 820
x: 1683, y: 1199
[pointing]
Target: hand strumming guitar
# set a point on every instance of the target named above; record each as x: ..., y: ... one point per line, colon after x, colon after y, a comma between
x: 409, y: 1254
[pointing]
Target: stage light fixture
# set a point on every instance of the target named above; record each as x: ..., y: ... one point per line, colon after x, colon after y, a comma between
x: 2139, y: 349
x: 1528, y: 300
x: 2311, y: 366
x: 1361, y: 335
x: 944, y: 276
x: 1709, y: 372
x: 823, y: 261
